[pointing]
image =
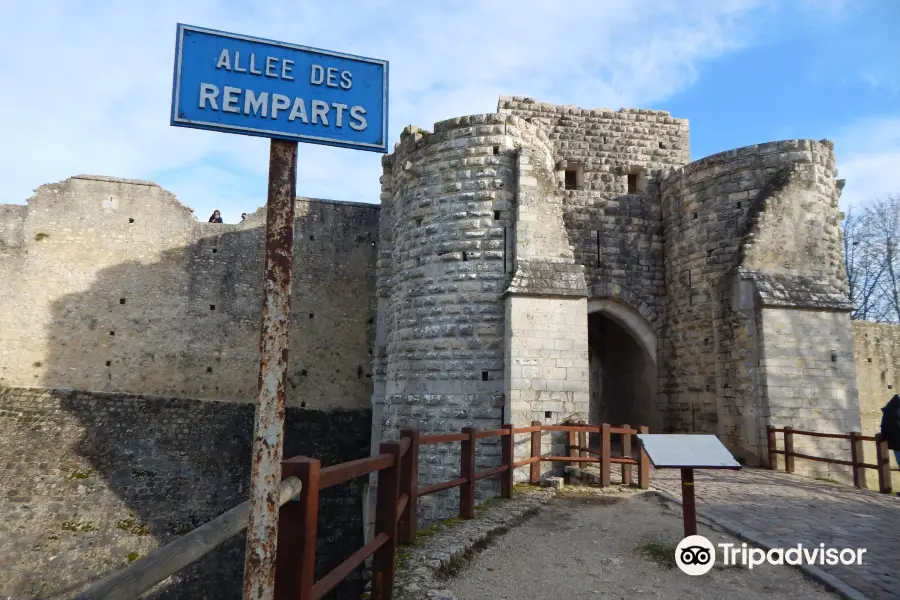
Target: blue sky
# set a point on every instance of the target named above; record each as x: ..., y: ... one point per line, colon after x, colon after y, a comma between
x: 93, y: 91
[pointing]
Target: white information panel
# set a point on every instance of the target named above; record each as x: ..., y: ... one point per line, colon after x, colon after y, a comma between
x: 687, y: 451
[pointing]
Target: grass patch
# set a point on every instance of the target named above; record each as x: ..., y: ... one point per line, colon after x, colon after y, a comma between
x: 659, y: 552
x: 827, y: 479
x: 133, y: 556
x: 80, y: 474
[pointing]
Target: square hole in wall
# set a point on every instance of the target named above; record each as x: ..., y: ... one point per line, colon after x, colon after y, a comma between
x: 312, y: 238
x: 121, y: 300
x: 131, y: 219
x: 465, y: 255
x: 209, y: 369
x: 548, y: 414
x: 108, y: 363
x: 574, y: 176
x: 869, y: 359
x: 637, y: 180
x: 484, y: 375
x: 738, y: 204
x: 311, y: 315
x: 112, y: 333
x: 496, y: 150
x: 212, y: 307
x: 695, y: 215
x: 215, y: 250
x: 496, y: 215
x: 303, y: 372
x: 303, y: 404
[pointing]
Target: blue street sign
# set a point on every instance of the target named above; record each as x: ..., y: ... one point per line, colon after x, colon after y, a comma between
x: 239, y: 84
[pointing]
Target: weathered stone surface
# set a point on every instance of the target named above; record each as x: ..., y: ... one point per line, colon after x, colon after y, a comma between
x: 90, y: 481
x: 111, y: 285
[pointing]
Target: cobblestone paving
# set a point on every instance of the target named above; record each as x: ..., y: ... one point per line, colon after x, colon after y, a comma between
x: 787, y: 510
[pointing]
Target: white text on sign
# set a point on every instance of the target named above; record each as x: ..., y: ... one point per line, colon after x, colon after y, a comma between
x: 249, y: 102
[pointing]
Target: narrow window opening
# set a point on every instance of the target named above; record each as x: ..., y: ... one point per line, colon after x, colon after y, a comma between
x: 708, y: 253
x: 661, y: 146
x: 870, y: 360
x: 574, y: 176
x: 632, y: 183
x: 121, y: 300
x: 833, y: 356
x: 496, y: 215
x: 130, y: 219
x: 484, y: 375
x: 695, y: 215
x: 418, y: 222
x: 599, y: 263
x: 465, y: 256
x: 690, y: 290
x: 637, y: 180
x: 496, y: 150
x: 548, y: 414
x: 706, y: 341
x: 739, y: 205
x: 303, y: 404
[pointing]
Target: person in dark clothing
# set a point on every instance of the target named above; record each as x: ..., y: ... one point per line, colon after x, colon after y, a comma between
x: 216, y: 217
x: 890, y: 425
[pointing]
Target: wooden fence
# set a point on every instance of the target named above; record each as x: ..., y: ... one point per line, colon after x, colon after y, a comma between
x: 398, y: 493
x: 857, y: 459
x: 397, y: 466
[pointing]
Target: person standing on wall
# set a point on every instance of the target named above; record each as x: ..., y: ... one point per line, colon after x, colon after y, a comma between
x: 216, y: 217
x: 890, y: 426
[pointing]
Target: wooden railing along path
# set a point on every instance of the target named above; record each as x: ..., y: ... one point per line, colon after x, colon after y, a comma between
x: 397, y: 466
x: 857, y: 455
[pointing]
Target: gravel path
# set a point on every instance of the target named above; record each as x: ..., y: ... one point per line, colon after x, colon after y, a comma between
x: 594, y: 544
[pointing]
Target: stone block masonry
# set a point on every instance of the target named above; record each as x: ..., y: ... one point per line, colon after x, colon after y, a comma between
x: 91, y: 481
x: 110, y: 285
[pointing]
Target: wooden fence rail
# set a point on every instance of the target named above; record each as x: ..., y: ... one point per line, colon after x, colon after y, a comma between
x: 398, y: 491
x: 857, y: 456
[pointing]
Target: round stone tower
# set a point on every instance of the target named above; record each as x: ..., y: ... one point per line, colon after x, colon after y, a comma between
x: 444, y: 263
x: 758, y: 328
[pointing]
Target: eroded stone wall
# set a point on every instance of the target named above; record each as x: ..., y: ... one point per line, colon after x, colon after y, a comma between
x: 93, y: 481
x: 111, y: 285
x: 755, y: 279
x: 876, y: 349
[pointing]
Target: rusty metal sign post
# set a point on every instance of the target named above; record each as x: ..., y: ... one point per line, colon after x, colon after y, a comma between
x: 239, y: 84
x: 268, y: 430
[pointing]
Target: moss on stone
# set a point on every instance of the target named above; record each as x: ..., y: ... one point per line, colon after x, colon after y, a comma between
x: 78, y: 526
x: 80, y: 474
x: 133, y: 527
x: 133, y: 556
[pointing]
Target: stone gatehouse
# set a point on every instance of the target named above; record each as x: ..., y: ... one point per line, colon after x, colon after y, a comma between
x: 551, y: 262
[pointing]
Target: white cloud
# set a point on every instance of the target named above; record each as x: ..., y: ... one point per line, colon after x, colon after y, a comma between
x: 91, y: 92
x: 868, y: 157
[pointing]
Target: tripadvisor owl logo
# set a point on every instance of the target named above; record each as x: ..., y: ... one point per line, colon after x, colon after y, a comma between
x: 695, y: 555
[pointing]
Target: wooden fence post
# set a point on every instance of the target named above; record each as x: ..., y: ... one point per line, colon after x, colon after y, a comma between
x: 789, y: 449
x: 857, y: 458
x: 582, y: 440
x: 536, y: 453
x: 295, y: 556
x: 409, y: 485
x: 508, y: 457
x: 772, y: 444
x: 605, y: 449
x: 573, y: 442
x: 883, y: 460
x: 386, y: 522
x: 626, y: 452
x: 643, y: 463
x: 467, y: 471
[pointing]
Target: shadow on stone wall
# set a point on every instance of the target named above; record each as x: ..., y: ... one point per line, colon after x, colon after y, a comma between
x: 119, y: 474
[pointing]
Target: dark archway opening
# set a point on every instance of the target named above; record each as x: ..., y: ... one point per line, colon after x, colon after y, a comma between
x: 623, y: 379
